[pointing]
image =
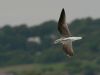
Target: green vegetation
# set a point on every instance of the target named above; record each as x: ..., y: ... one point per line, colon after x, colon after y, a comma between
x: 75, y: 68
x: 16, y: 50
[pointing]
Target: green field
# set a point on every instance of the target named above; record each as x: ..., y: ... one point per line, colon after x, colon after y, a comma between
x: 36, y: 69
x: 53, y: 69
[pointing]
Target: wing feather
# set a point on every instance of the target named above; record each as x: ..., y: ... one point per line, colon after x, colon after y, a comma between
x: 62, y: 26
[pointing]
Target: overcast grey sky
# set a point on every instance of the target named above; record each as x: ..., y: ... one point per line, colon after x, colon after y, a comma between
x: 32, y: 12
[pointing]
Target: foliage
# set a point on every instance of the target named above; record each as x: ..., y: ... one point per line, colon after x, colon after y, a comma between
x: 16, y: 49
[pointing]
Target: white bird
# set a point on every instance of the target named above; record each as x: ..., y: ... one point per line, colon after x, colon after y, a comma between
x: 66, y: 37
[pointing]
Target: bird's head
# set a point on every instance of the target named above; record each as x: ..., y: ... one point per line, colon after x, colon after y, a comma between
x: 57, y: 41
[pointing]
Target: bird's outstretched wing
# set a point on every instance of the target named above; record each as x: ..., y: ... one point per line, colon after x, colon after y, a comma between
x: 67, y: 47
x: 62, y: 26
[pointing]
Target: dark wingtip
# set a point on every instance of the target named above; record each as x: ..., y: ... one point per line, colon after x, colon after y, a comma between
x: 63, y: 12
x: 62, y: 16
x: 63, y: 9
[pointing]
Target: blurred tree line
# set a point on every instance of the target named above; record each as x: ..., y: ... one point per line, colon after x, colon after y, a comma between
x: 16, y: 49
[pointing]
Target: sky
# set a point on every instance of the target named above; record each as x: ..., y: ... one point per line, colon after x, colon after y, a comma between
x: 34, y: 12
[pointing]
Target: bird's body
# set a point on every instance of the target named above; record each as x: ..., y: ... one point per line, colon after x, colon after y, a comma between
x: 66, y: 39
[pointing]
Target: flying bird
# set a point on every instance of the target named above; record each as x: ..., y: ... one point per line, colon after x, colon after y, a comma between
x: 66, y: 37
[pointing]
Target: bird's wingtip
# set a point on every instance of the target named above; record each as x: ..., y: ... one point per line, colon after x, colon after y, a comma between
x: 63, y: 10
x: 62, y: 15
